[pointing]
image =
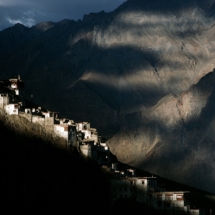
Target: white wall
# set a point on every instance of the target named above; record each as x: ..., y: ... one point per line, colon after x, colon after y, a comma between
x: 60, y: 131
x: 85, y: 150
x: 4, y: 100
x: 141, y: 186
x: 11, y: 109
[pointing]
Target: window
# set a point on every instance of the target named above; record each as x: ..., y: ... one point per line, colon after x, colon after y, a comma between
x: 174, y: 197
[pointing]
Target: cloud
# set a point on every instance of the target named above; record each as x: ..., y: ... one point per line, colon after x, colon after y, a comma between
x: 27, y: 22
x: 13, y: 21
x: 27, y: 18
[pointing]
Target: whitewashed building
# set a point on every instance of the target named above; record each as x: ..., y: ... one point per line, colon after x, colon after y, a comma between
x: 4, y: 100
x: 16, y: 84
x: 12, y: 109
x: 89, y: 133
x: 170, y: 201
x: 137, y: 188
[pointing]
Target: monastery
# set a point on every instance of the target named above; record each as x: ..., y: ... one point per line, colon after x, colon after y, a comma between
x: 124, y: 184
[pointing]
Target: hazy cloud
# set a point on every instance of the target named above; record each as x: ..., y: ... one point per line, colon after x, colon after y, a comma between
x: 26, y: 22
x: 30, y: 12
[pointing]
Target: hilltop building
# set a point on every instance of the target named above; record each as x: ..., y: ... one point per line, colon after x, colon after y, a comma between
x: 78, y: 135
x: 137, y: 188
x: 9, y: 91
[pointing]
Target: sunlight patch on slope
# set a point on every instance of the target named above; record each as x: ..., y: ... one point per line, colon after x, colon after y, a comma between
x: 140, y: 28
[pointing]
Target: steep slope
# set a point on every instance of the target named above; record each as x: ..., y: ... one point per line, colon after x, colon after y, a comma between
x: 15, y: 37
x: 175, y: 138
x: 138, y: 74
x: 39, y: 178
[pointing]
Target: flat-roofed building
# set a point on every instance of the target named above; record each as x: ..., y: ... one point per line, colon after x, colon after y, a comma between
x: 170, y: 200
x: 139, y: 187
x: 12, y: 109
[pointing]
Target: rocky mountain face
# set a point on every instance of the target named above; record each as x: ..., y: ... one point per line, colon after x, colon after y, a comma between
x: 142, y: 74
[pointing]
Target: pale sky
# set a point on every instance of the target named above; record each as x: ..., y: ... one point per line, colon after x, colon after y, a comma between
x: 31, y: 12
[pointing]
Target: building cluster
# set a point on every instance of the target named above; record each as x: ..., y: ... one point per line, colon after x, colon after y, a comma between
x: 9, y: 95
x: 124, y: 184
x: 127, y: 185
x: 79, y: 135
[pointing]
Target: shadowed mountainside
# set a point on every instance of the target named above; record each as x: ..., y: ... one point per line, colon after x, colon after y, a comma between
x: 141, y: 74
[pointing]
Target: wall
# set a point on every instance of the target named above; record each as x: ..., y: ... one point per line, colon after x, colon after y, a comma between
x: 121, y: 188
x: 169, y: 201
x: 86, y: 150
x: 11, y: 109
x: 4, y: 100
x: 141, y: 190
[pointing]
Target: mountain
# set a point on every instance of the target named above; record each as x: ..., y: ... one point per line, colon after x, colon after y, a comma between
x: 142, y: 74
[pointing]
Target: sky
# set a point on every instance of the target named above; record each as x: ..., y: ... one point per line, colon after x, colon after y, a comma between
x: 31, y: 12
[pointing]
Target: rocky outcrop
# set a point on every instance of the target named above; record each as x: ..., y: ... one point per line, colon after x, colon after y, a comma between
x: 141, y: 74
